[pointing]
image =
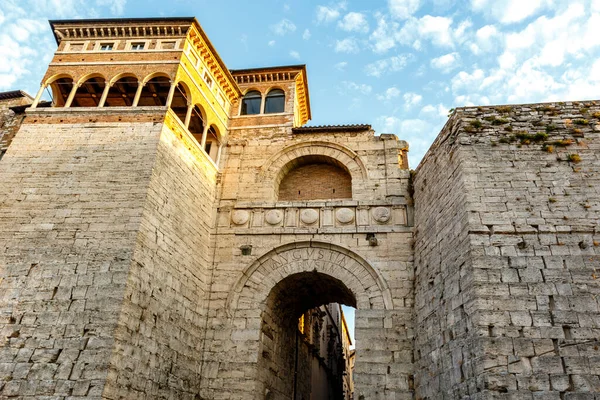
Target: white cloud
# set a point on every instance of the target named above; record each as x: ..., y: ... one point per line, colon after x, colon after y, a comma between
x: 402, y: 9
x: 354, y: 22
x: 431, y: 111
x: 361, y: 88
x: 447, y: 62
x: 415, y: 32
x: 271, y: 43
x: 465, y: 80
x: 295, y: 54
x: 412, y: 99
x: 306, y: 35
x: 437, y: 29
x: 327, y: 14
x: 383, y: 36
x: 284, y: 26
x: 389, y: 94
x: 488, y: 39
x: 348, y: 45
x: 341, y: 66
x: 392, y: 64
x: 510, y: 11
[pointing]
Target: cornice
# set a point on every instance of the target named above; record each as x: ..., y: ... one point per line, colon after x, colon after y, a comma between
x: 212, y: 60
x: 114, y: 29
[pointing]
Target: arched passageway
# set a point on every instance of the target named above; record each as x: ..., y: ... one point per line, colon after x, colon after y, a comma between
x: 284, y: 309
x: 302, y: 342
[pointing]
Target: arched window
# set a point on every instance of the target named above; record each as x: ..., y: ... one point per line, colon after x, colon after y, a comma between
x: 155, y: 92
x: 251, y: 103
x: 196, y: 126
x: 180, y: 101
x: 89, y: 93
x: 60, y: 91
x: 212, y: 143
x: 275, y: 102
x: 314, y: 177
x: 122, y: 92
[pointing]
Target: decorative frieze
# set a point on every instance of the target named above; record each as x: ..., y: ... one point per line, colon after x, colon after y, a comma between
x: 339, y: 217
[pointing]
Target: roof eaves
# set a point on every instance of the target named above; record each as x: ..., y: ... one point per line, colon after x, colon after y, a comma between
x: 332, y: 128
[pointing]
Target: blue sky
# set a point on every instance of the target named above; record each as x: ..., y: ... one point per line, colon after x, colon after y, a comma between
x: 399, y: 65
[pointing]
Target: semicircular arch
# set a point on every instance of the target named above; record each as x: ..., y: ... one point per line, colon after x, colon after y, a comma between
x: 56, y: 77
x: 367, y: 284
x: 87, y: 77
x: 156, y: 75
x: 347, y: 157
x: 121, y: 76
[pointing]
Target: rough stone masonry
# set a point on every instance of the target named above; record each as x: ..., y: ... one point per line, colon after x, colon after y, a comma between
x: 138, y: 262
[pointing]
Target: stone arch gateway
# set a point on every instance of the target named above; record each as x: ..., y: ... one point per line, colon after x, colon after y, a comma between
x: 256, y: 282
x: 264, y: 304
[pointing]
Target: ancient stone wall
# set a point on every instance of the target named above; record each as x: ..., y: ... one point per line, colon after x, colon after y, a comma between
x: 444, y: 338
x: 159, y: 338
x: 71, y: 202
x: 261, y: 242
x: 530, y: 176
x: 10, y: 122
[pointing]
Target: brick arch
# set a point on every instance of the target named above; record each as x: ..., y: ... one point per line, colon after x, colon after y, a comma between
x: 87, y: 77
x: 278, y: 165
x: 56, y: 77
x: 252, y: 289
x: 121, y: 76
x: 156, y: 75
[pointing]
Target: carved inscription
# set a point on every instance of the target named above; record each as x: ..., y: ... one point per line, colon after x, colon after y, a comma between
x: 310, y: 258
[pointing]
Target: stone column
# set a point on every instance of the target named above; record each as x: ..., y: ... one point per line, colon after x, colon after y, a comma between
x: 38, y: 96
x: 138, y: 94
x: 71, y: 96
x: 171, y: 94
x: 204, y: 135
x: 104, y: 95
x: 188, y: 115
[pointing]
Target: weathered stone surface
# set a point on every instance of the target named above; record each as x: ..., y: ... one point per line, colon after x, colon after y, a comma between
x: 505, y: 212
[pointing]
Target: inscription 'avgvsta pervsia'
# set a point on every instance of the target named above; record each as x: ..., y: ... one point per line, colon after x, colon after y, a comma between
x: 317, y: 257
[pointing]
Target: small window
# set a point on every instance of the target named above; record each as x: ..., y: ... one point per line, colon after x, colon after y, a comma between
x: 138, y: 46
x: 251, y: 103
x: 167, y: 45
x: 76, y: 46
x: 208, y: 79
x: 106, y: 46
x: 275, y: 102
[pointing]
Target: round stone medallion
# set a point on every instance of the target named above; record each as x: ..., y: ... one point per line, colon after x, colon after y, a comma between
x: 344, y: 215
x: 240, y: 217
x: 273, y: 217
x: 381, y: 214
x: 309, y: 216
